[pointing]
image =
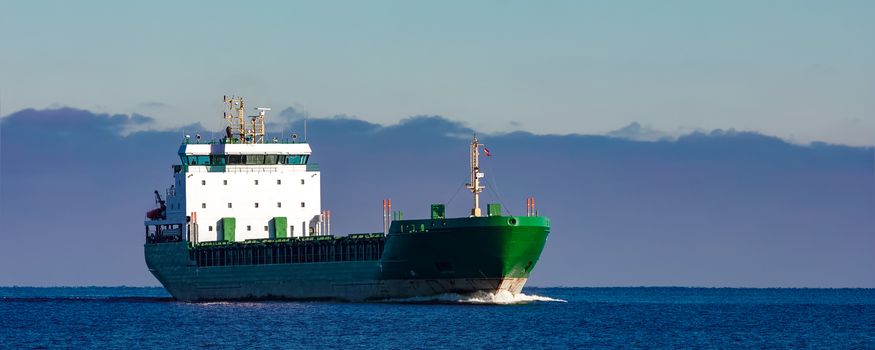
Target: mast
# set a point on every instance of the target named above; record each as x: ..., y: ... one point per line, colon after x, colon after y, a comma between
x: 236, y: 123
x: 237, y: 128
x: 476, y: 175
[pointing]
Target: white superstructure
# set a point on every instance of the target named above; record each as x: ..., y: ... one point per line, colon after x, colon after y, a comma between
x: 240, y: 187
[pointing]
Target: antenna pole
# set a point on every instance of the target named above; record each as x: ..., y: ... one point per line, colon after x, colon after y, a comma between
x: 476, y: 175
x: 241, y: 118
x: 258, y: 125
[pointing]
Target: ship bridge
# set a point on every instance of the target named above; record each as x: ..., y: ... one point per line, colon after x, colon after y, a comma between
x: 220, y: 153
x: 240, y: 187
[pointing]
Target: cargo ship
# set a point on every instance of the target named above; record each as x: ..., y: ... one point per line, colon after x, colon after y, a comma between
x: 243, y: 220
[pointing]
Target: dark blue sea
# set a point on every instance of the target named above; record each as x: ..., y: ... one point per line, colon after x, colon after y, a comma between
x: 542, y: 318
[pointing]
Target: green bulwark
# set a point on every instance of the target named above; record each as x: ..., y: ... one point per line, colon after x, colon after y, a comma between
x: 438, y: 211
x: 493, y: 209
x: 279, y: 226
x: 228, y: 226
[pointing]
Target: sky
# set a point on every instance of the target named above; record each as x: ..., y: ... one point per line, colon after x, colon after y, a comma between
x: 799, y: 70
x: 673, y: 143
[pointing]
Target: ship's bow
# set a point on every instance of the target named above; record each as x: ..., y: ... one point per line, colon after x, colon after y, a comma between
x: 462, y: 255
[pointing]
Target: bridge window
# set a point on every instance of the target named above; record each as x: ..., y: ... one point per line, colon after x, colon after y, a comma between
x: 244, y: 159
x: 197, y: 160
x: 254, y: 159
x: 299, y: 159
x: 217, y: 159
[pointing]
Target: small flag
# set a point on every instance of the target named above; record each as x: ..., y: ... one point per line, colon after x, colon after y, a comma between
x: 486, y: 150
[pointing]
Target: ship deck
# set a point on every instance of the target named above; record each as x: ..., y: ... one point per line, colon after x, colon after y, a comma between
x: 313, y: 249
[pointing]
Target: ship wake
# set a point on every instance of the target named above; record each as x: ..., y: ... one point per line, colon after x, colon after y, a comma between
x: 501, y: 297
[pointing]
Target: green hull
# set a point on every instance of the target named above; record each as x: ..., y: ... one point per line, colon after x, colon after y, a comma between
x: 420, y: 258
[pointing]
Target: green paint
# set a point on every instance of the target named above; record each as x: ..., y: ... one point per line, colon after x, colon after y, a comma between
x: 279, y: 226
x: 491, y: 247
x: 493, y: 209
x: 438, y: 211
x: 228, y: 226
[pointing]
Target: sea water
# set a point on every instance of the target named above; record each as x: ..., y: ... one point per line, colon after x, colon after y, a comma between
x: 537, y: 318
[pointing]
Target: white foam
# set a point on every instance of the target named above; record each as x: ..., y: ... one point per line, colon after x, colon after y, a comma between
x: 501, y: 297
